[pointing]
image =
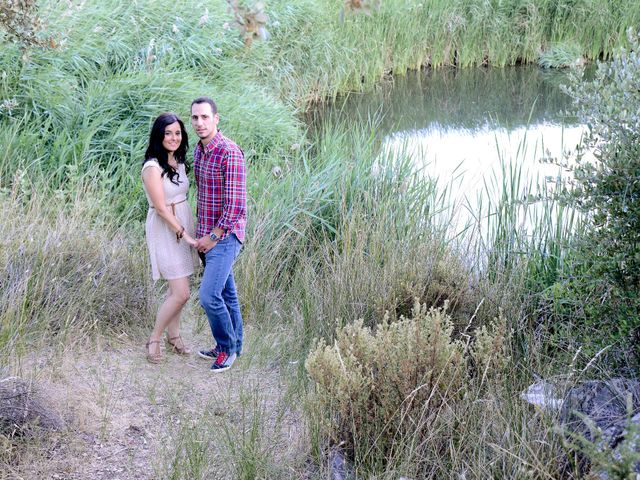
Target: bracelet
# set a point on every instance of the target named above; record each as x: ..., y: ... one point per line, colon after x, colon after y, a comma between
x: 180, y: 234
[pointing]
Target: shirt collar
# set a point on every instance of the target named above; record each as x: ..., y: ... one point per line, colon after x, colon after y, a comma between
x: 213, y: 143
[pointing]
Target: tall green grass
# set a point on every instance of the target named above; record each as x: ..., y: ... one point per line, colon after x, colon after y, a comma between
x: 89, y: 102
x: 339, y: 230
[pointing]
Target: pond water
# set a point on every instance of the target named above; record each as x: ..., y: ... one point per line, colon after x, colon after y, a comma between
x: 462, y: 127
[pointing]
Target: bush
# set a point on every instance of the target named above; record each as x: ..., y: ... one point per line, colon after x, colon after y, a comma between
x: 599, y: 299
x: 393, y: 397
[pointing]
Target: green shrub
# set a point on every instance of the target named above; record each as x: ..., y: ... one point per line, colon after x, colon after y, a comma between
x: 598, y: 302
x: 394, y: 396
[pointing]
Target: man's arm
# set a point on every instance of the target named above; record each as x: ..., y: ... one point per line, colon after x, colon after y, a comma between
x: 235, y: 190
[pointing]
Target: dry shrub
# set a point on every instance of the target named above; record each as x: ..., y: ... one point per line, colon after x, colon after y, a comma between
x: 19, y: 19
x: 393, y: 396
x: 435, y: 279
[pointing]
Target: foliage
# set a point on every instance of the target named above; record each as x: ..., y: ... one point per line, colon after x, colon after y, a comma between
x: 20, y: 20
x: 380, y: 395
x: 602, y: 292
x: 87, y: 105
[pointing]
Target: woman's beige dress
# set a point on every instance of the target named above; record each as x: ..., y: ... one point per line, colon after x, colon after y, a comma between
x: 170, y: 259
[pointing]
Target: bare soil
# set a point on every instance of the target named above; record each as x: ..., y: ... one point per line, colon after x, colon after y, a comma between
x: 125, y: 418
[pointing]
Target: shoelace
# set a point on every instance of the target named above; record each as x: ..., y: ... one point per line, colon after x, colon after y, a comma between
x: 221, y: 358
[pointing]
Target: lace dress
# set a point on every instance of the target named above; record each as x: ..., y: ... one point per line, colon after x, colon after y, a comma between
x: 170, y: 259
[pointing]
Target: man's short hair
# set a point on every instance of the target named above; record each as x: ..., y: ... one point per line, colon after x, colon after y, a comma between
x: 214, y: 108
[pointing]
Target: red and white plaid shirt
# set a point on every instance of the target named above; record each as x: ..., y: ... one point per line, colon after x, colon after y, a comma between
x: 220, y: 173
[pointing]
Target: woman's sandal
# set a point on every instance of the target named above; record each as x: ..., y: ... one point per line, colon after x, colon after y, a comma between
x: 153, y: 357
x: 175, y: 347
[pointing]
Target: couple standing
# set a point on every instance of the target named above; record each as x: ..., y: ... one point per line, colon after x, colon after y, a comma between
x: 220, y: 175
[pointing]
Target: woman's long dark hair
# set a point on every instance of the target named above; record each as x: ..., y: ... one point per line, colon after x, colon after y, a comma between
x: 157, y: 151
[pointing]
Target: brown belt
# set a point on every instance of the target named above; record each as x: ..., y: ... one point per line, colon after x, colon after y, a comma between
x: 172, y: 205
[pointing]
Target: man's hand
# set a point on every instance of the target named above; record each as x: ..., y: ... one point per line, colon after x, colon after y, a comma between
x: 204, y: 244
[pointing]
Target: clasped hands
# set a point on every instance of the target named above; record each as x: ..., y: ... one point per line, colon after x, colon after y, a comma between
x: 204, y: 244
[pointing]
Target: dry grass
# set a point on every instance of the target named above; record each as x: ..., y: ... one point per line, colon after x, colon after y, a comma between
x: 411, y: 400
x: 70, y: 270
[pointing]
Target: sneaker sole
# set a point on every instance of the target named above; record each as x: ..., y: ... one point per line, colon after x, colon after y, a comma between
x: 206, y: 357
x: 221, y: 369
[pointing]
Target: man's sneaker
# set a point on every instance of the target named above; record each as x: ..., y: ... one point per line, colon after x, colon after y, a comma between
x: 223, y: 362
x: 209, y: 354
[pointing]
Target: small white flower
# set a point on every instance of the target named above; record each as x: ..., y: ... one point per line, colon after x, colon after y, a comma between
x: 205, y: 17
x: 375, y: 170
x: 263, y: 34
x: 276, y: 171
x: 226, y: 26
x: 174, y: 29
x: 295, y: 147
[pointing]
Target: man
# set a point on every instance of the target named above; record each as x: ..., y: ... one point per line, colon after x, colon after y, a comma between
x: 220, y: 173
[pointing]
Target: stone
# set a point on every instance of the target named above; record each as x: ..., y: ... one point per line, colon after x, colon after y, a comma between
x: 22, y: 410
x: 603, y: 414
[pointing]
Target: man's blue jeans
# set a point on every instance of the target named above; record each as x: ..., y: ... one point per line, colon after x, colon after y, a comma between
x: 218, y: 295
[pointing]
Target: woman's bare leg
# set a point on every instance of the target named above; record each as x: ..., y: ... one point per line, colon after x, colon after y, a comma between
x: 168, y: 316
x: 181, y: 290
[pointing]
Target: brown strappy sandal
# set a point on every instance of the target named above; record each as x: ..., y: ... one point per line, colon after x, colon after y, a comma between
x: 175, y: 348
x: 153, y: 357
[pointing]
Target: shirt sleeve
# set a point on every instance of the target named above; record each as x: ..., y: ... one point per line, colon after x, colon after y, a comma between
x: 235, y: 192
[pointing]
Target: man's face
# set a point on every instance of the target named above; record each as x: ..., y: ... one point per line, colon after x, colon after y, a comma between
x: 204, y: 121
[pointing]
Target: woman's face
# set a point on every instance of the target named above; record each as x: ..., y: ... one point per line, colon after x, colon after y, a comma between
x: 172, y: 137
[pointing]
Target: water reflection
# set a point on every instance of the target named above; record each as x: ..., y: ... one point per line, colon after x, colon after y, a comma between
x: 463, y: 126
x: 451, y: 98
x: 468, y: 157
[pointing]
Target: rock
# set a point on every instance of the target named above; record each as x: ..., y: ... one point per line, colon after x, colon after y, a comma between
x: 545, y: 395
x: 22, y: 409
x: 606, y: 403
x: 596, y: 414
x: 600, y: 412
x: 339, y: 466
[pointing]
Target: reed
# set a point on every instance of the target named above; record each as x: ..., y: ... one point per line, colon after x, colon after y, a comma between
x: 85, y: 106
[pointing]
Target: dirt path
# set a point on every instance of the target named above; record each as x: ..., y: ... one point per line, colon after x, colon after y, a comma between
x: 128, y: 419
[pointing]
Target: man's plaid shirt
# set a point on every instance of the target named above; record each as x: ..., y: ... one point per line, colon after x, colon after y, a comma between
x: 220, y: 175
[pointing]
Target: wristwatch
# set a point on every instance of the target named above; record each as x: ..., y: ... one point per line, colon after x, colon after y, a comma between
x: 214, y: 237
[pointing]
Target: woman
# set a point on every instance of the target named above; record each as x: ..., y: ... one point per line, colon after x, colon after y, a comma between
x: 169, y: 228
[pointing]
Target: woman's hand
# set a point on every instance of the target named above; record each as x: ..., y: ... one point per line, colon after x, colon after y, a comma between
x: 189, y: 239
